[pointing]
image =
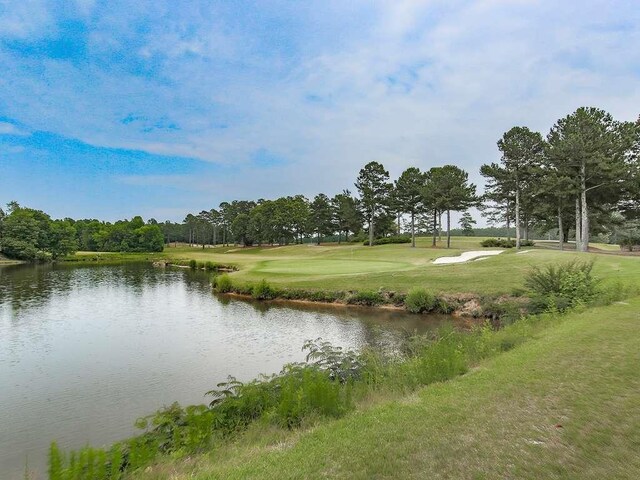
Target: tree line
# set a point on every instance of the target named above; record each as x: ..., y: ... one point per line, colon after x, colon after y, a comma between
x: 377, y: 211
x: 28, y: 234
x: 581, y: 179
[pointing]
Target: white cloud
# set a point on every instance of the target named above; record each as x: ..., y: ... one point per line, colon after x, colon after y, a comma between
x: 423, y: 83
x: 24, y: 18
x: 7, y: 128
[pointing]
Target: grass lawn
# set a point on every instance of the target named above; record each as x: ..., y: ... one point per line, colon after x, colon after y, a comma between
x: 397, y: 267
x: 563, y: 405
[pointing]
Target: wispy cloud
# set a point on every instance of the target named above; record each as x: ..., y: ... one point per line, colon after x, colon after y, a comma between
x: 7, y: 128
x: 320, y: 88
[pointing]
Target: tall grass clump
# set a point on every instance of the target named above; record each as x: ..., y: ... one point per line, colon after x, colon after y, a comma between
x: 419, y: 300
x: 366, y: 298
x: 263, y: 291
x: 562, y: 286
x: 223, y: 283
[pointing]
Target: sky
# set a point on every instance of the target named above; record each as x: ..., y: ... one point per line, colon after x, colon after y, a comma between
x: 115, y: 109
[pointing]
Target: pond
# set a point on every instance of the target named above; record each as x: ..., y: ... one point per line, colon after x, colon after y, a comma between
x: 85, y: 350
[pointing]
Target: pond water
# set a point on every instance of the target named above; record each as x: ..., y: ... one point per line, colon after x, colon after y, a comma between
x: 85, y: 350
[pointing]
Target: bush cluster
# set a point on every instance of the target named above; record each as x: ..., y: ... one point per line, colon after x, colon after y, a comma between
x: 630, y: 242
x: 366, y: 298
x: 223, y: 283
x: 559, y: 287
x: 389, y: 240
x: 504, y: 243
x: 263, y: 291
x: 418, y: 300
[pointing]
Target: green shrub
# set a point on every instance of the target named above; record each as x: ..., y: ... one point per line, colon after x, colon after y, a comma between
x: 243, y: 289
x: 444, y: 306
x: 210, y: 266
x: 562, y: 286
x: 263, y: 291
x: 504, y: 243
x: 418, y: 300
x: 193, y: 264
x: 223, y: 283
x: 367, y: 298
x: 389, y: 240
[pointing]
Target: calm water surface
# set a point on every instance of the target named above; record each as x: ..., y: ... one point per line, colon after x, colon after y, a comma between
x: 84, y: 351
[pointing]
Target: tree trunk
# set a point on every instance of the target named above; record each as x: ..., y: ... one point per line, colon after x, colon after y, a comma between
x: 508, y: 223
x: 517, y: 217
x: 435, y: 227
x: 440, y: 226
x: 413, y: 230
x: 398, y: 223
x: 578, y: 226
x: 371, y: 230
x: 585, y: 211
x: 560, y: 231
x: 448, y: 228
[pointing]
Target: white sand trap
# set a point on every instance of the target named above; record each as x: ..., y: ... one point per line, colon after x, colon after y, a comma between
x: 466, y: 256
x: 523, y: 251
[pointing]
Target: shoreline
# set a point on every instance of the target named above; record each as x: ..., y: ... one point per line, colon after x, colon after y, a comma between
x: 464, y: 305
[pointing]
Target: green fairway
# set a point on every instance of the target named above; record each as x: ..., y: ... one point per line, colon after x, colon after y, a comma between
x: 398, y: 267
x: 564, y: 405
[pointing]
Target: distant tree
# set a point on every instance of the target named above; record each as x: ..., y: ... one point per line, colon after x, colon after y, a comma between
x: 299, y: 210
x: 521, y: 153
x: 499, y: 197
x: 322, y: 216
x: 374, y: 188
x: 31, y: 235
x: 348, y: 217
x: 149, y: 238
x: 12, y: 205
x: 466, y: 223
x: 409, y: 196
x: 240, y: 229
x: 23, y: 234
x: 448, y: 189
x: 62, y: 238
x: 595, y: 152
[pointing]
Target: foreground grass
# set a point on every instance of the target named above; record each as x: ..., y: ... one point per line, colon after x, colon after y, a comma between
x: 564, y: 405
x: 396, y: 267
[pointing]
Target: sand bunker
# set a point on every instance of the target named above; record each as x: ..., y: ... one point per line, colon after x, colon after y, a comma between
x: 466, y: 256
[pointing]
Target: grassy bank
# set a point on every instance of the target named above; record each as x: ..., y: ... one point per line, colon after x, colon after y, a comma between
x: 395, y: 267
x: 563, y: 405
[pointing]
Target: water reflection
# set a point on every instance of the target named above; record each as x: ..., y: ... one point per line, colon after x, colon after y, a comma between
x: 86, y: 350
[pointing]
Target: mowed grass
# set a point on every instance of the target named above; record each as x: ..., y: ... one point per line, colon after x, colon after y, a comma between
x: 398, y: 267
x: 564, y: 405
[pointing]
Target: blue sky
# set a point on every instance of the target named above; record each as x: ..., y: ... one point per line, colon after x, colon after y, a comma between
x: 112, y: 109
